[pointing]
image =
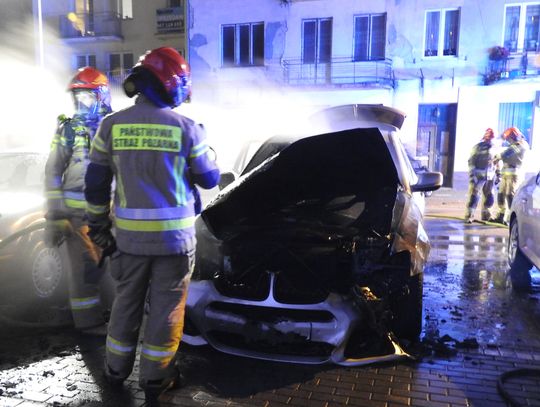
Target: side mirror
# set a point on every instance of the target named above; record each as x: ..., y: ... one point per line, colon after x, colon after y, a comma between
x: 225, y: 179
x: 428, y: 181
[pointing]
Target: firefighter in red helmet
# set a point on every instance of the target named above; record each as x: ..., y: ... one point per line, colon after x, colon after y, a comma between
x: 156, y: 156
x: 481, y: 177
x: 512, y: 159
x: 64, y: 183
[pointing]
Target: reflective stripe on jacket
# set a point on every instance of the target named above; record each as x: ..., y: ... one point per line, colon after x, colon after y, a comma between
x: 512, y: 157
x: 153, y: 153
x: 66, y: 166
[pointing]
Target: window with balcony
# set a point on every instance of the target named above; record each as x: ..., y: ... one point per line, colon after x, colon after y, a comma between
x: 369, y: 37
x: 85, y: 60
x: 316, y: 40
x: 242, y: 44
x: 441, y: 33
x: 521, y: 27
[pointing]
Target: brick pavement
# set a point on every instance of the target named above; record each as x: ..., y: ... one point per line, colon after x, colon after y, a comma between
x: 61, y: 368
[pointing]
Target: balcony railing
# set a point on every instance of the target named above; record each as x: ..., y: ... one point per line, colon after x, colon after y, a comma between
x: 514, y: 67
x: 91, y: 25
x: 339, y: 71
x: 170, y: 20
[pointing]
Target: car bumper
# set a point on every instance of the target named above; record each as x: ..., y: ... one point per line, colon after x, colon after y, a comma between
x: 312, y: 334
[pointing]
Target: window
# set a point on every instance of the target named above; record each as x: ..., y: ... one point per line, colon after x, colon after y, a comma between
x: 85, y: 60
x: 369, y: 37
x: 442, y: 33
x: 517, y: 115
x: 119, y: 63
x: 521, y: 27
x: 242, y: 44
x: 125, y: 8
x: 316, y: 40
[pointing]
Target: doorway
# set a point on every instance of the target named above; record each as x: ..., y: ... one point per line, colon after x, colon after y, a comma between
x: 436, y: 138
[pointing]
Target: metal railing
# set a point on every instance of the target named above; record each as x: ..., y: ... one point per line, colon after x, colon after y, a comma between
x: 170, y: 20
x: 514, y: 67
x: 93, y: 25
x: 339, y: 71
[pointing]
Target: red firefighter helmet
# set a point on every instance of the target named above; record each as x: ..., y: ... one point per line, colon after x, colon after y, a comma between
x: 489, y: 134
x: 512, y: 133
x: 170, y: 69
x: 89, y: 80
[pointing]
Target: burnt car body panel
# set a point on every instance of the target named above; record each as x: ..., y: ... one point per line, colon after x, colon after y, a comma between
x: 310, y: 247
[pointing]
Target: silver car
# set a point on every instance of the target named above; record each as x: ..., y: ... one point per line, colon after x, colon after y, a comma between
x: 316, y: 252
x: 524, y: 235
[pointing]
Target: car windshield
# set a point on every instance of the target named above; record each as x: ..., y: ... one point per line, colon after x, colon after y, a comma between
x: 21, y: 171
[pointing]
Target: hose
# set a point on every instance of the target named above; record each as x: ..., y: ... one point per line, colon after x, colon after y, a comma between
x: 483, y: 222
x: 512, y: 374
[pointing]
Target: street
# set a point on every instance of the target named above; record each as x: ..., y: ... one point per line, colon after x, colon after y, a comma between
x: 475, y: 329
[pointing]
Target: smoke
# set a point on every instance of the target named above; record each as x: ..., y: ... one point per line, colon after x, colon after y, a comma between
x: 32, y: 96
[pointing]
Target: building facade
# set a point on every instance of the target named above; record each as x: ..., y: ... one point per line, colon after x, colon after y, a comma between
x: 107, y: 34
x: 455, y: 67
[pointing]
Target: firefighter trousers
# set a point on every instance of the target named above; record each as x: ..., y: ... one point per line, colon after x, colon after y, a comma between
x: 165, y: 280
x: 84, y: 297
x: 507, y: 190
x: 479, y: 183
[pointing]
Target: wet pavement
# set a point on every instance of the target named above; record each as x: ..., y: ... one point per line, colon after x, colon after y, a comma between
x: 476, y: 331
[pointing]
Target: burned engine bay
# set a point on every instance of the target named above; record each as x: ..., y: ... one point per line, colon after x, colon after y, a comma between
x: 320, y: 219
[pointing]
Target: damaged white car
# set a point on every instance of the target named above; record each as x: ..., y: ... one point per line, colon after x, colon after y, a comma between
x: 315, y: 253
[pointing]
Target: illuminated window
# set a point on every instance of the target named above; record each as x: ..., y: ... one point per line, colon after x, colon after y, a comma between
x: 242, y: 44
x: 521, y: 27
x: 369, y: 37
x: 316, y: 40
x: 442, y: 33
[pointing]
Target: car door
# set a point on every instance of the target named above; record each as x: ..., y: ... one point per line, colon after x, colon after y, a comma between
x: 528, y: 211
x: 535, y: 221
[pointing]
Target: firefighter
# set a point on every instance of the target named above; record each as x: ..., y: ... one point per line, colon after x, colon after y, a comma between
x: 155, y: 156
x: 64, y: 183
x: 481, y: 177
x: 512, y: 159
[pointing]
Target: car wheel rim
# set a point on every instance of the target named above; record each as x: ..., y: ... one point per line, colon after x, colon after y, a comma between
x: 513, y: 244
x: 46, y: 272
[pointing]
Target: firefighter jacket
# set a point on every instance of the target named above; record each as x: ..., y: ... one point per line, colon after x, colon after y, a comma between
x: 512, y: 157
x: 66, y: 167
x: 155, y: 155
x: 481, y: 159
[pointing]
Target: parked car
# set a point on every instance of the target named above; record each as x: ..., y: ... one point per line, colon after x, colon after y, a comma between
x: 524, y: 233
x: 31, y: 274
x: 316, y: 245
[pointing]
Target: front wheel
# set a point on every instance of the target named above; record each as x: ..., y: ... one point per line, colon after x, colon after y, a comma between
x: 407, y: 312
x: 518, y: 264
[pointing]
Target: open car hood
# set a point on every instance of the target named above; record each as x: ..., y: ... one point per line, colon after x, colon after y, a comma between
x: 353, y: 162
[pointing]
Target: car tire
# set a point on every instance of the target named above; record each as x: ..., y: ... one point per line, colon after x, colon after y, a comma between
x: 407, y: 312
x: 45, y: 273
x: 518, y: 264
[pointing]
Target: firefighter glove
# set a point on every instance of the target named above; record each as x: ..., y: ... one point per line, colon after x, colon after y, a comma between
x: 55, y: 231
x: 101, y: 235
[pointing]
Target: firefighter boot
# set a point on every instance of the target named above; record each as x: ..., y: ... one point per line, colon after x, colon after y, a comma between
x: 498, y: 219
x: 154, y: 388
x: 112, y: 377
x: 469, y: 217
x: 486, y: 216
